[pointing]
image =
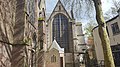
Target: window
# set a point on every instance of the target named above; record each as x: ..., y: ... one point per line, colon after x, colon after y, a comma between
x: 59, y: 7
x: 53, y: 58
x: 41, y: 44
x: 116, y: 54
x: 115, y: 28
x: 60, y: 31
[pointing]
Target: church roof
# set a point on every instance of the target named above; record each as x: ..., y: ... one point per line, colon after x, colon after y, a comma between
x: 56, y: 46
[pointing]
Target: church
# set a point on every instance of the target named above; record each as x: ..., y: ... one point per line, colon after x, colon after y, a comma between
x: 28, y: 39
x: 63, y: 33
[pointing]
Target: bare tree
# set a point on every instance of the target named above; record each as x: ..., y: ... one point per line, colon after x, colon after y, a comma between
x: 88, y: 28
x: 109, y: 62
x: 116, y: 4
x: 112, y: 12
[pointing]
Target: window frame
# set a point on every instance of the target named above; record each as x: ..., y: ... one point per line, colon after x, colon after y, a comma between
x: 60, y: 30
x: 115, y: 28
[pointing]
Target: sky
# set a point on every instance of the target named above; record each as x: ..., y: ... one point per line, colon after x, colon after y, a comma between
x: 106, y: 4
x: 50, y: 4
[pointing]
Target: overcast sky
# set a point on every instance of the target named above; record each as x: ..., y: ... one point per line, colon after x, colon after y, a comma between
x: 50, y: 4
x: 106, y: 5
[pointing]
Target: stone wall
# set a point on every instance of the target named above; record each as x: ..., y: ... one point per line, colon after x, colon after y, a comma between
x: 7, y: 20
x: 48, y: 58
x: 18, y: 33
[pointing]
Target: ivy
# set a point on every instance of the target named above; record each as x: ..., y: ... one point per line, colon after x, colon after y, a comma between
x: 41, y: 19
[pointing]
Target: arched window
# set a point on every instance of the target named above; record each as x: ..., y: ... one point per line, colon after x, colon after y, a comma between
x: 53, y: 58
x: 60, y: 30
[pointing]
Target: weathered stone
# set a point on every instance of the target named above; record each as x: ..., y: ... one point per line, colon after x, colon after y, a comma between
x: 7, y: 19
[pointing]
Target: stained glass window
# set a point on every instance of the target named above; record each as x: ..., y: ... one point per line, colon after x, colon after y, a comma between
x: 60, y: 30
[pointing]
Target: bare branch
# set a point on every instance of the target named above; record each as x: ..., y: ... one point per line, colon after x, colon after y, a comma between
x: 80, y: 7
x: 116, y: 4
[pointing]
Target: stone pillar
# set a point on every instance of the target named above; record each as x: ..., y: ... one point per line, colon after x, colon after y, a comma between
x: 18, y: 36
x: 7, y: 19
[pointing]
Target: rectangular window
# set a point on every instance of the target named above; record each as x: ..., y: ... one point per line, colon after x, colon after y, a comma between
x: 115, y: 28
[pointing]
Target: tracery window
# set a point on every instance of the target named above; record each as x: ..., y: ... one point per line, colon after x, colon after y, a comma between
x: 60, y: 30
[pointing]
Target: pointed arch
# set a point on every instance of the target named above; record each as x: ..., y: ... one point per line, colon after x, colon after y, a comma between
x: 60, y: 30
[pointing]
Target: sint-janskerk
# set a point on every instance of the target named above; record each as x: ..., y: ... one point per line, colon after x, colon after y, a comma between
x: 29, y: 39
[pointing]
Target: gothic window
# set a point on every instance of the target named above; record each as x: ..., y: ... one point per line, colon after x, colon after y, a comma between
x: 115, y: 28
x: 53, y: 58
x: 60, y: 30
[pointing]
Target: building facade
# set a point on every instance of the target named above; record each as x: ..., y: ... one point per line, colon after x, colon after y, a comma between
x: 19, y: 33
x: 113, y: 30
x: 7, y: 20
x: 25, y: 35
x: 55, y: 55
x: 62, y: 26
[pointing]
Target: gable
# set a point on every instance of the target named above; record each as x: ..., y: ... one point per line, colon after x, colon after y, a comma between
x: 55, y: 46
x: 59, y: 8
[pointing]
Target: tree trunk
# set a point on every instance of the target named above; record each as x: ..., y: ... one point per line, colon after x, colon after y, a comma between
x: 108, y: 58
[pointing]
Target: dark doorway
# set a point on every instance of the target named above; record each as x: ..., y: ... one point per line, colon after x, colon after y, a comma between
x: 61, y: 61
